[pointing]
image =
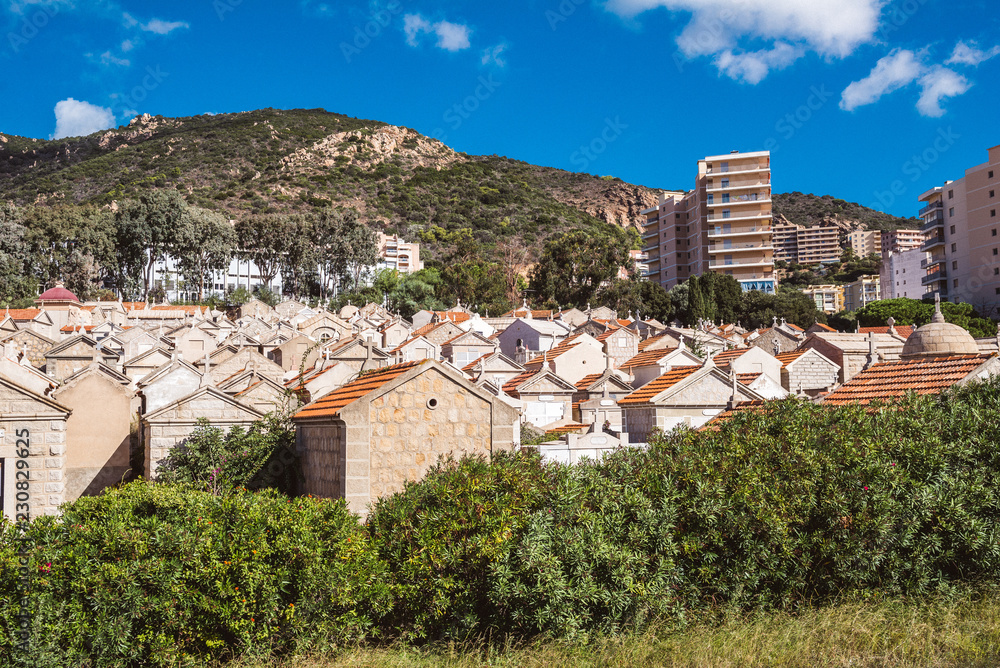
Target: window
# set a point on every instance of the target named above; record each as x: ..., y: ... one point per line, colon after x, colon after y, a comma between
x: 954, y: 264
x: 990, y: 175
x: 994, y: 251
x: 724, y: 167
x: 725, y: 183
x: 955, y: 283
x: 993, y: 214
x: 996, y: 271
x: 954, y: 248
x: 952, y: 230
x: 951, y: 212
x: 951, y: 194
x: 726, y: 213
x: 992, y: 193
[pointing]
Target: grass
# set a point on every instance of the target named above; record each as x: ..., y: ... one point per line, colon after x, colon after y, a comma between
x: 958, y: 632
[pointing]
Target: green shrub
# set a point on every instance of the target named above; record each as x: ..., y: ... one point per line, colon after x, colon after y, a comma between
x: 154, y: 574
x: 440, y: 535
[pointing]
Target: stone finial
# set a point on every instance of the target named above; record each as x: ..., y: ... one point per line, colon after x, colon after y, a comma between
x: 709, y: 362
x: 776, y: 346
x: 891, y: 323
x: 206, y: 378
x: 734, y: 399
x: 774, y: 321
x: 938, y: 316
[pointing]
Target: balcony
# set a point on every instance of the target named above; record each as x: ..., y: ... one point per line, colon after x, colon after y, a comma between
x: 651, y: 234
x: 722, y: 248
x: 756, y: 216
x: 737, y: 264
x: 932, y: 242
x: 739, y: 169
x: 934, y: 276
x: 650, y: 248
x: 751, y: 198
x: 931, y: 261
x: 930, y: 207
x: 720, y: 232
x: 936, y: 220
x: 741, y: 185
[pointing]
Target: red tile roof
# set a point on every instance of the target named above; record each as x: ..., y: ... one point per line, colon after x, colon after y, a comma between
x: 788, y: 358
x: 23, y: 313
x: 471, y: 366
x: 726, y: 357
x: 901, y: 330
x: 510, y: 387
x: 795, y: 327
x: 893, y: 380
x: 587, y: 381
x: 647, y: 357
x: 520, y: 313
x: 73, y: 328
x: 756, y: 405
x: 614, y: 323
x: 650, y: 341
x: 747, y: 378
x: 825, y: 328
x: 651, y: 389
x: 566, y: 344
x: 331, y: 404
x: 190, y: 310
x: 454, y: 316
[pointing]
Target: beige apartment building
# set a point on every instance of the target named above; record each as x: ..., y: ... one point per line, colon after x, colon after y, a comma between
x: 860, y: 293
x: 961, y: 221
x: 797, y: 244
x: 897, y: 241
x: 723, y: 225
x: 865, y: 242
x: 394, y: 253
x: 828, y: 298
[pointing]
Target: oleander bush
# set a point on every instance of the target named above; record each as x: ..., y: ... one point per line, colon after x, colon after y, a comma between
x: 787, y: 508
x: 152, y: 575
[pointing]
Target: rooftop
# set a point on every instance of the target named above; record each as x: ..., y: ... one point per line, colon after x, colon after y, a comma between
x: 334, y: 402
x: 893, y: 380
x: 664, y: 382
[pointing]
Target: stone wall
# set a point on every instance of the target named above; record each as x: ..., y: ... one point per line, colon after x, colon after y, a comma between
x: 45, y: 437
x: 419, y: 421
x: 809, y: 373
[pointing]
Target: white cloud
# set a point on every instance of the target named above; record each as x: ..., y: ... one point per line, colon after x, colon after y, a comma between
x: 938, y: 83
x: 163, y: 27
x: 789, y: 28
x: 752, y: 67
x: 127, y: 45
x: 413, y: 25
x: 107, y: 58
x: 494, y: 55
x: 900, y: 68
x: 75, y: 118
x: 451, y: 36
x: 968, y: 53
x: 128, y: 20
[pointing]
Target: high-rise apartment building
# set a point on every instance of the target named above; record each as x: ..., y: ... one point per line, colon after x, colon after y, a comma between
x: 961, y: 219
x: 828, y: 298
x: 865, y: 242
x: 897, y: 241
x: 797, y: 244
x: 860, y: 293
x: 723, y: 225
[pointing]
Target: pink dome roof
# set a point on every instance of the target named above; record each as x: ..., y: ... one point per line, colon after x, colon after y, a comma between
x: 58, y: 293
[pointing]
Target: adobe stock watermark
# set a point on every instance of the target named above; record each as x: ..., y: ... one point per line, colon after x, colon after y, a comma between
x: 125, y: 103
x: 223, y: 7
x: 788, y: 125
x: 589, y: 152
x: 455, y: 115
x: 915, y: 167
x: 562, y: 12
x: 372, y: 29
x: 22, y: 517
x: 30, y: 26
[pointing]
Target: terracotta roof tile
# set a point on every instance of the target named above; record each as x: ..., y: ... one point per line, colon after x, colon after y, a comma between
x: 471, y: 366
x: 331, y: 404
x: 756, y: 405
x: 825, y: 328
x: 893, y: 380
x: 566, y: 344
x: 788, y: 358
x: 901, y: 330
x: 23, y: 313
x: 795, y: 327
x: 651, y: 389
x: 747, y: 378
x: 650, y: 341
x: 585, y: 382
x: 726, y: 357
x: 520, y: 313
x: 73, y: 328
x: 647, y: 357
x: 510, y: 387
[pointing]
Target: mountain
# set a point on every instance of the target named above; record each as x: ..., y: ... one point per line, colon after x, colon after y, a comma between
x: 809, y: 210
x: 300, y: 160
x: 273, y: 160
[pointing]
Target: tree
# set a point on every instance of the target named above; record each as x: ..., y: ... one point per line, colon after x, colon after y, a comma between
x: 145, y: 231
x: 263, y: 239
x: 301, y: 257
x: 15, y: 283
x: 204, y: 246
x: 906, y: 311
x: 345, y: 247
x: 574, y: 265
x: 73, y: 244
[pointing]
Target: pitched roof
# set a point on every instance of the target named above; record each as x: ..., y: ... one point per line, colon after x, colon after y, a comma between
x: 726, y: 357
x: 795, y: 327
x: 789, y: 357
x: 613, y: 323
x: 568, y: 428
x: 647, y: 357
x: 584, y: 383
x: 454, y: 316
x: 901, y: 330
x: 612, y: 330
x: 825, y: 328
x: 650, y: 341
x: 892, y: 380
x: 23, y: 313
x: 755, y: 405
x: 566, y: 344
x: 664, y: 382
x: 335, y: 401
x: 747, y: 378
x: 510, y: 387
x: 521, y: 313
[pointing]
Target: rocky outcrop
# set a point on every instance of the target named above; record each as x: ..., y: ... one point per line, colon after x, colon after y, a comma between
x: 139, y: 129
x: 616, y: 202
x: 369, y: 148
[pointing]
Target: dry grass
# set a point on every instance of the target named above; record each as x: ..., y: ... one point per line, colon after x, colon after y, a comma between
x: 940, y: 633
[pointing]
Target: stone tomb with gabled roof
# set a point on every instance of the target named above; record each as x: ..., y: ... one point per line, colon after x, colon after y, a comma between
x: 389, y: 426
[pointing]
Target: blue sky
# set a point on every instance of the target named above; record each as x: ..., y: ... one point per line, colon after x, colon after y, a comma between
x: 868, y: 100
